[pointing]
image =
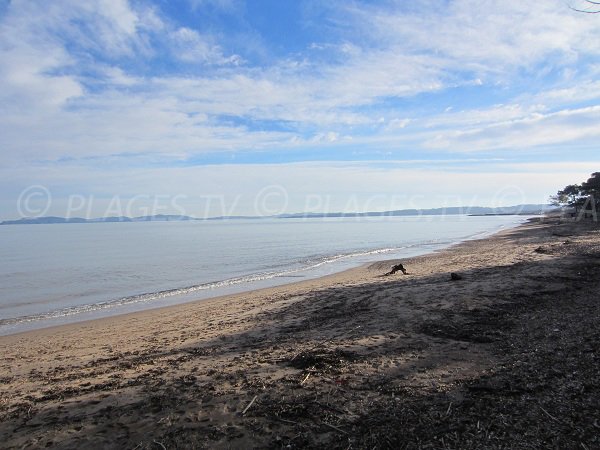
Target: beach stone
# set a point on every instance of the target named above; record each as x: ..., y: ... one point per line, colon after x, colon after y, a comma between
x: 455, y: 277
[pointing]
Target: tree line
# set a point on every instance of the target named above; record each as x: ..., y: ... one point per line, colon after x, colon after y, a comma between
x: 584, y: 197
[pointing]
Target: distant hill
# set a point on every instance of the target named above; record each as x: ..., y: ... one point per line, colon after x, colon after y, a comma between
x: 53, y: 220
x: 455, y: 210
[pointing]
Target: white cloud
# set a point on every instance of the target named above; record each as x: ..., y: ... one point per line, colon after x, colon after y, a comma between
x: 190, y: 46
x: 397, y: 124
x: 39, y: 71
x: 329, y: 136
x: 484, y: 36
x: 579, y: 91
x: 494, y: 114
x: 117, y: 77
x: 77, y: 82
x: 534, y: 130
x: 28, y: 62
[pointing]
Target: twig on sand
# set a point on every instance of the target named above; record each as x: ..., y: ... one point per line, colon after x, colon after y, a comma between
x: 334, y: 427
x: 249, y: 405
x: 160, y: 443
x: 550, y: 415
x: 305, y: 378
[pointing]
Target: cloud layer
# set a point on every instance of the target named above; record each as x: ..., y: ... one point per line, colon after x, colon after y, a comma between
x: 117, y: 87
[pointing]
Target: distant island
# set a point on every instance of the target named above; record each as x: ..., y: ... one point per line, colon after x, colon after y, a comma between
x: 54, y: 220
x: 528, y: 209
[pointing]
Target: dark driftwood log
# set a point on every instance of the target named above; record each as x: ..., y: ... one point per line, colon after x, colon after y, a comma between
x: 397, y: 268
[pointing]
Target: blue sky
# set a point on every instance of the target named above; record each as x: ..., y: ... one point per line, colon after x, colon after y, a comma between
x: 229, y: 106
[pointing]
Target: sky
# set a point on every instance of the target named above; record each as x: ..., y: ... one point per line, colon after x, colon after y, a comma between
x: 234, y: 107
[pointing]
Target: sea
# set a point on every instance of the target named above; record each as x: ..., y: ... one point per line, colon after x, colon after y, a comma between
x: 64, y: 273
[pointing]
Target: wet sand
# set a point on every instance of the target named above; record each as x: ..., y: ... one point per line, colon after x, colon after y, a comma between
x: 505, y: 356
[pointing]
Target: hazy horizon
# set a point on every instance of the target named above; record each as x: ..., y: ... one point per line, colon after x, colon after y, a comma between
x: 464, y: 210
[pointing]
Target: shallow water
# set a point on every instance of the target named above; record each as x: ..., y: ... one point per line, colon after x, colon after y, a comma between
x: 52, y: 274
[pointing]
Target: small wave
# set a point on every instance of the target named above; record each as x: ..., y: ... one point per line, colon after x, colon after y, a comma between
x: 307, y: 265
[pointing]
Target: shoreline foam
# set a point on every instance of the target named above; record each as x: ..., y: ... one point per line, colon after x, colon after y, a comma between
x: 314, y: 269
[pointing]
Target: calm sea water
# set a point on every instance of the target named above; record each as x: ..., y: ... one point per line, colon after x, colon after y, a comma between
x: 53, y: 274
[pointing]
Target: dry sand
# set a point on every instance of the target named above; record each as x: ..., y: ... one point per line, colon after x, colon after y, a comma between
x: 505, y: 357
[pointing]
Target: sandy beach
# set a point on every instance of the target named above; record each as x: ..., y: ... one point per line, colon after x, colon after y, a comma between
x: 504, y: 356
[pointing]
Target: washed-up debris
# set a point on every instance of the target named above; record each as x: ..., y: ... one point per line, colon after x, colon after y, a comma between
x: 397, y: 268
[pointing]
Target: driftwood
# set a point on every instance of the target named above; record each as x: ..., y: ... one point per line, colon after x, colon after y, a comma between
x: 396, y: 268
x: 249, y: 405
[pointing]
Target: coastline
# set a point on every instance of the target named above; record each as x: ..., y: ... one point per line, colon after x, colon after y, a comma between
x: 334, y: 361
x: 141, y: 300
